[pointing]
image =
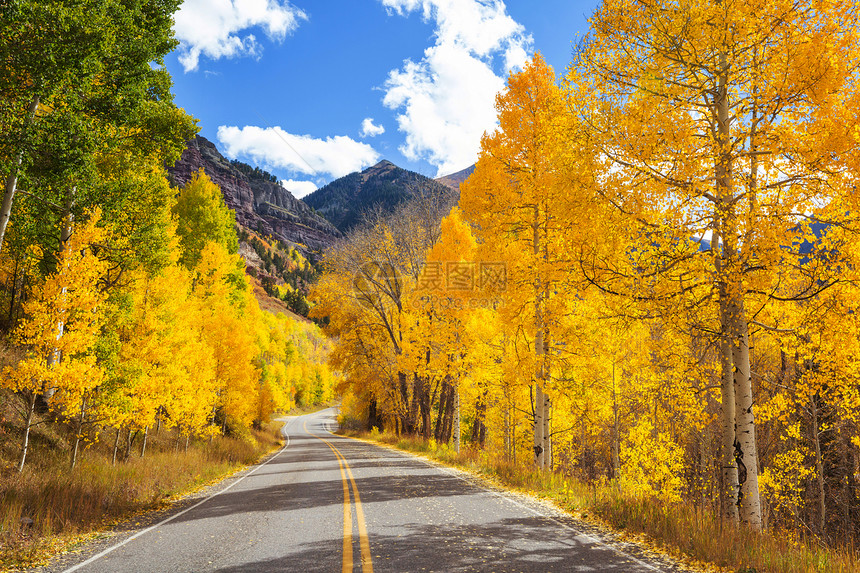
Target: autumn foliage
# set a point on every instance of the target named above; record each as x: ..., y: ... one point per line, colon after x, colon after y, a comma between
x: 650, y: 278
x: 183, y: 344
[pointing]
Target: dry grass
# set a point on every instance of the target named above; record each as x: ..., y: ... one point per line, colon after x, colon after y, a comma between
x: 684, y: 531
x: 47, y: 507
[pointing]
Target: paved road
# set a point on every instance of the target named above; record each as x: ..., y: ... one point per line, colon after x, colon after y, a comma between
x: 326, y: 503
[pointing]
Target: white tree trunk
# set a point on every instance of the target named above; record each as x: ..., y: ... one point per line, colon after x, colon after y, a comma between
x: 143, y: 446
x: 25, y: 444
x: 746, y: 455
x: 12, y: 179
x: 729, y: 497
x: 56, y: 356
x: 79, y: 427
x: 538, y: 426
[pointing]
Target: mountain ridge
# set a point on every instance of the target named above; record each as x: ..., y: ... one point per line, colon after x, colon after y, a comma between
x: 453, y: 180
x: 382, y: 186
x: 260, y: 202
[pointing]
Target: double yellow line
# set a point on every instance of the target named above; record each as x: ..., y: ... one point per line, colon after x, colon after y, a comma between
x: 366, y: 561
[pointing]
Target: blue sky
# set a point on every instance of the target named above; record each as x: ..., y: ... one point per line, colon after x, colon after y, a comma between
x: 313, y: 90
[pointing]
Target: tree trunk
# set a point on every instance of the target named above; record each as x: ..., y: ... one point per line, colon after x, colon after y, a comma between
x: 423, y: 385
x: 729, y: 495
x: 25, y: 444
x: 547, y: 432
x: 723, y: 258
x: 143, y: 446
x: 819, y: 464
x: 19, y: 276
x: 79, y: 425
x: 541, y: 413
x: 457, y: 420
x: 405, y: 415
x: 414, y: 407
x: 373, y: 420
x: 538, y: 427
x: 849, y: 485
x: 616, y: 432
x: 450, y: 410
x: 704, y: 442
x: 128, y: 440
x: 479, y: 429
x: 12, y: 179
x: 508, y: 433
x: 746, y: 454
x: 115, y: 447
x: 441, y: 414
x: 69, y: 218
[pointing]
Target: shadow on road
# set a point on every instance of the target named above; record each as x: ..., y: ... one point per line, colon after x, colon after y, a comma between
x: 526, y: 545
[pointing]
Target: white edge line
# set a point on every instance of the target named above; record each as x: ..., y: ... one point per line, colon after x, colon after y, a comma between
x: 184, y: 511
x: 464, y: 476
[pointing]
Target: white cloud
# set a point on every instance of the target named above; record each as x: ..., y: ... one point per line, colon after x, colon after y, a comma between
x: 272, y: 146
x: 446, y: 100
x: 299, y: 188
x: 370, y: 129
x: 212, y: 28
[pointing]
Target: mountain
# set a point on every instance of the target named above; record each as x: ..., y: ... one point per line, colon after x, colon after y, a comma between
x: 260, y: 202
x: 344, y: 201
x: 453, y: 180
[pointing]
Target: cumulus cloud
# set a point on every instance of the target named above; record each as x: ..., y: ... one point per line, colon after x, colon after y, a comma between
x: 272, y: 146
x: 213, y: 28
x: 370, y: 129
x: 446, y: 100
x: 299, y: 188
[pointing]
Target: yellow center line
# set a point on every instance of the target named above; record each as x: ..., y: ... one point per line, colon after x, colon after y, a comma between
x: 347, y: 517
x: 366, y: 561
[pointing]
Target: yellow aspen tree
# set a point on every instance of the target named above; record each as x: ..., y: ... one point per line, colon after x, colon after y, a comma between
x: 528, y: 198
x: 814, y: 400
x: 363, y: 322
x: 163, y: 363
x: 446, y: 293
x: 365, y: 293
x: 731, y: 119
x: 63, y: 317
x: 227, y: 333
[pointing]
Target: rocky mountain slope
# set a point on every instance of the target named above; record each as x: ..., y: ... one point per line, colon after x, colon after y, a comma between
x: 345, y: 200
x: 260, y: 202
x: 454, y: 179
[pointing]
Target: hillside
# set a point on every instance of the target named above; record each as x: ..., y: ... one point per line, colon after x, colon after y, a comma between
x: 344, y: 201
x: 454, y: 179
x: 261, y: 204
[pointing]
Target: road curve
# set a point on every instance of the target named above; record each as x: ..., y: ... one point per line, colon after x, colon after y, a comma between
x: 327, y: 503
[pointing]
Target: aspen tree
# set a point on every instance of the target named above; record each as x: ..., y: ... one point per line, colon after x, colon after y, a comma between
x: 72, y: 297
x: 725, y: 118
x: 528, y: 199
x: 82, y: 69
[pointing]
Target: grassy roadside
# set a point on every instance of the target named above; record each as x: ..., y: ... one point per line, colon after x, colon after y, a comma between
x: 693, y: 536
x: 48, y: 509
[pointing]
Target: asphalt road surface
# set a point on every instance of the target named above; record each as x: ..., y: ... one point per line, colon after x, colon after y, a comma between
x: 327, y: 503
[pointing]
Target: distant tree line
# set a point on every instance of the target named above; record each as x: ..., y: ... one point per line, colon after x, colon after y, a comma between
x: 253, y: 172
